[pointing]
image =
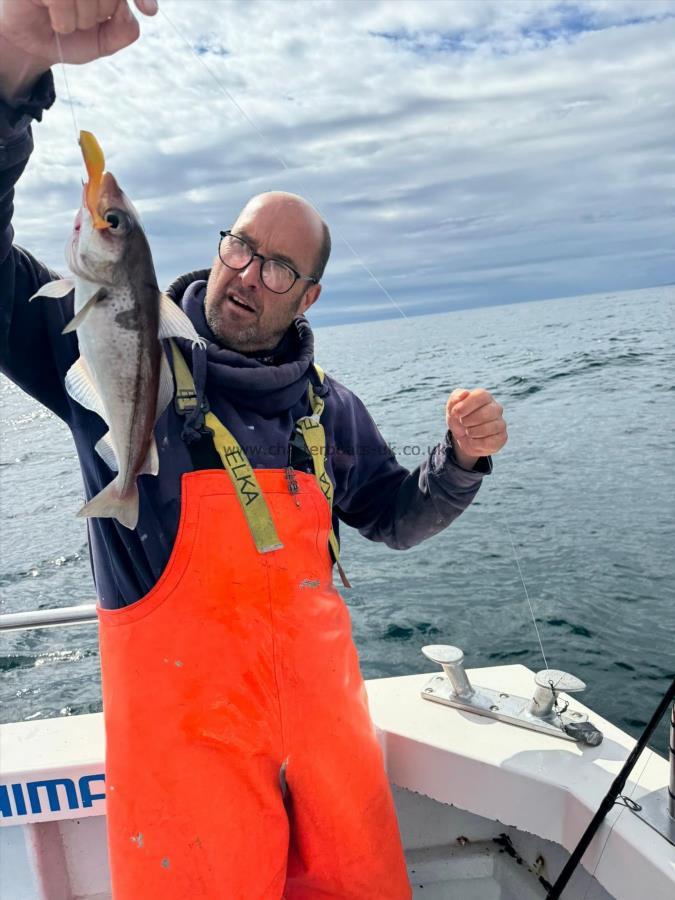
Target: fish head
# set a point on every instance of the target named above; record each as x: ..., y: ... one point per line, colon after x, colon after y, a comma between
x: 107, y: 229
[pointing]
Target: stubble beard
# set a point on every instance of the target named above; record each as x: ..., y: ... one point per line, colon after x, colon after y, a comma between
x: 243, y: 340
x: 240, y: 340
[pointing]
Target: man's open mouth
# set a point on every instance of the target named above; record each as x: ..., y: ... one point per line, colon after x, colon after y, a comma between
x: 242, y: 304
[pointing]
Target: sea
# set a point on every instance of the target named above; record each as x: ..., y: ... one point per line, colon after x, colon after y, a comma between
x: 581, y: 502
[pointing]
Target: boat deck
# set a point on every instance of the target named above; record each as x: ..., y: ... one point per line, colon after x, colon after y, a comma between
x: 486, y: 809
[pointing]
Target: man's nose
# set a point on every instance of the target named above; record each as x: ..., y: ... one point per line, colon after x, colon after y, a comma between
x: 250, y: 276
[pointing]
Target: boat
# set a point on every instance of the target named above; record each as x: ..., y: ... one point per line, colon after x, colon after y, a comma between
x: 493, y: 788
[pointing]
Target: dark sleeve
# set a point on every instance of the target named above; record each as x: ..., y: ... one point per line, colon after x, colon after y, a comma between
x: 384, y: 500
x: 33, y: 353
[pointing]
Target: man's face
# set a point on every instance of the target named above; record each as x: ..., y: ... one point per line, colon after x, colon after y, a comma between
x: 242, y: 313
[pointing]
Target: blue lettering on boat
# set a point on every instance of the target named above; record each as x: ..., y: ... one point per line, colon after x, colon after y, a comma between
x: 30, y: 797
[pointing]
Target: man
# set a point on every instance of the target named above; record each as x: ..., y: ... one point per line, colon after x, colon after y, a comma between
x: 241, y: 761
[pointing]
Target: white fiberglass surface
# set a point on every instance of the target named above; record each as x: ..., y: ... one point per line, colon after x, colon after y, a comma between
x: 452, y: 853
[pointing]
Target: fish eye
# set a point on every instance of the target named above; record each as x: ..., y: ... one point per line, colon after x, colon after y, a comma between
x: 116, y: 220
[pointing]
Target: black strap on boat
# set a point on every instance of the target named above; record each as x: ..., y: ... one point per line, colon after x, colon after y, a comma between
x: 611, y: 796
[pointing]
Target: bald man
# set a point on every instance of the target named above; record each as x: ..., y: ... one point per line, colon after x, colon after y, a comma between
x: 241, y: 762
x: 239, y: 311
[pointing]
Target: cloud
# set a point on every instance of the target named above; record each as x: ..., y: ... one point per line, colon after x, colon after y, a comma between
x: 471, y: 152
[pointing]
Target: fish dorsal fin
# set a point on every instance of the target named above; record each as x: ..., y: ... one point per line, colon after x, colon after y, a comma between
x: 174, y: 323
x: 75, y: 323
x: 82, y: 389
x: 106, y: 451
x: 56, y: 289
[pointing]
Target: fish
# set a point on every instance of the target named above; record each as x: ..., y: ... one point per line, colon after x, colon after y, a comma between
x: 121, y: 316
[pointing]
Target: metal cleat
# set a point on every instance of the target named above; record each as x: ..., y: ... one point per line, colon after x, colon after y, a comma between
x: 545, y: 711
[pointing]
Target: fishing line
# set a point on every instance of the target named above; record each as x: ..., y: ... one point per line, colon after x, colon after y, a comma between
x: 282, y: 162
x: 65, y: 78
x: 527, y: 594
x: 284, y: 165
x: 624, y: 806
x: 374, y: 278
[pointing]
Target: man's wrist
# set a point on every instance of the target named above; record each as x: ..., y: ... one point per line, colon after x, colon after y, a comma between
x: 463, y: 459
x: 479, y: 466
x: 19, y: 72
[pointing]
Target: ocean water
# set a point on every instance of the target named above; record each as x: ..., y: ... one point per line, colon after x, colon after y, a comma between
x: 585, y: 490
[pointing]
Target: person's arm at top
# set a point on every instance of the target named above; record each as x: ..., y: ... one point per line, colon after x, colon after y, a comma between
x: 86, y: 29
x: 33, y: 353
x: 388, y: 503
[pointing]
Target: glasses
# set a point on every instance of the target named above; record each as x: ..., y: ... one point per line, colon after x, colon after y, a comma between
x: 277, y: 276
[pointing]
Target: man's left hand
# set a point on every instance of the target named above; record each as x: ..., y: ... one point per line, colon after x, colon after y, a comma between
x: 476, y: 423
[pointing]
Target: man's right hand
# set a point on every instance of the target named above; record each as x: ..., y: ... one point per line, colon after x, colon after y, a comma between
x: 87, y: 29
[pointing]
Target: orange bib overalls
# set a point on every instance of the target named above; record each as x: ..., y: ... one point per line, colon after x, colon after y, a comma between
x: 241, y: 761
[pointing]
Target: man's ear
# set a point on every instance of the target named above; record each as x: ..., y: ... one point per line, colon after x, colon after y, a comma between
x: 310, y: 298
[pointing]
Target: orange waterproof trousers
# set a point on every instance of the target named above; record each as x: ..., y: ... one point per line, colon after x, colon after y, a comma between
x: 241, y: 760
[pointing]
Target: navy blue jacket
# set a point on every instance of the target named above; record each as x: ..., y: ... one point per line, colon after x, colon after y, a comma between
x: 259, y: 399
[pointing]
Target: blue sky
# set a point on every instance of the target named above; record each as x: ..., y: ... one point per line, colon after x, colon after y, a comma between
x: 471, y: 152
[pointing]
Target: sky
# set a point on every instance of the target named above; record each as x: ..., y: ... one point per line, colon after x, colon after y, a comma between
x: 463, y: 153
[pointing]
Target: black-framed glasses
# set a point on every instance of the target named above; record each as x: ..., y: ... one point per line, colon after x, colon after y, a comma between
x: 277, y: 276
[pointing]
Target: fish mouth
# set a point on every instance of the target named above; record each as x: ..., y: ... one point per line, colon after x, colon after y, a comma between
x: 238, y: 303
x: 94, y: 161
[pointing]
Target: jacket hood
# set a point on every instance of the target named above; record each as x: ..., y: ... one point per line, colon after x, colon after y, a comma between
x: 248, y: 381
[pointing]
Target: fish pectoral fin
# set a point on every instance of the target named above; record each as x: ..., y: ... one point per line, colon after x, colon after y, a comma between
x: 110, y: 504
x: 82, y: 389
x: 151, y: 462
x: 75, y: 323
x: 56, y: 289
x: 174, y: 323
x: 165, y: 392
x: 106, y: 451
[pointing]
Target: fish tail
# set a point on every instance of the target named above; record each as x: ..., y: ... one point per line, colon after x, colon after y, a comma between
x: 110, y: 504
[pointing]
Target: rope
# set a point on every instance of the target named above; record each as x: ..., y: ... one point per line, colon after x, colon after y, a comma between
x: 65, y: 78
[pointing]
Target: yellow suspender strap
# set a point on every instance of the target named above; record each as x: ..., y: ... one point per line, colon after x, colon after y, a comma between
x: 314, y: 436
x: 186, y: 396
x: 248, y: 490
x: 234, y: 461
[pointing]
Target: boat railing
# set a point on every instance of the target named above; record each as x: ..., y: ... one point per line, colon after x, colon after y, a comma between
x: 85, y: 614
